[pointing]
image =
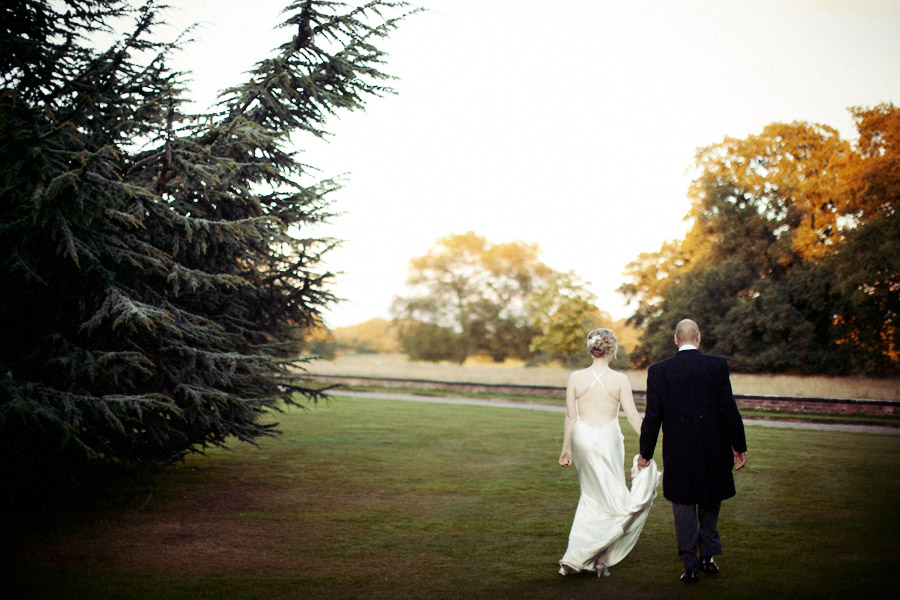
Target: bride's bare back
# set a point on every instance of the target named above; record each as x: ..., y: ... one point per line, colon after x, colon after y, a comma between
x: 594, y: 395
x: 597, y: 395
x: 598, y: 392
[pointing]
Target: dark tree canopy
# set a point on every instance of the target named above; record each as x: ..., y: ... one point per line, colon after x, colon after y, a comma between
x: 156, y: 265
x: 791, y: 263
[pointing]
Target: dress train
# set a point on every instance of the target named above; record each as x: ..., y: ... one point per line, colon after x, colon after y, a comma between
x: 609, y: 517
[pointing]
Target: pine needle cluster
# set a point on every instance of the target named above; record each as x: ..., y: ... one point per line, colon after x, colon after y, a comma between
x: 157, y: 265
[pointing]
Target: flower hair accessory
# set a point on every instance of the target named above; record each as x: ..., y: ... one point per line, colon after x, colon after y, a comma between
x: 602, y: 342
x: 593, y: 340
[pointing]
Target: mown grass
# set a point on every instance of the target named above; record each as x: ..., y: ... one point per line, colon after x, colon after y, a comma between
x: 888, y: 420
x: 369, y: 498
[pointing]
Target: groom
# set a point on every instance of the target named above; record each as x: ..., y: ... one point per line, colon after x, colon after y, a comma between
x: 689, y: 395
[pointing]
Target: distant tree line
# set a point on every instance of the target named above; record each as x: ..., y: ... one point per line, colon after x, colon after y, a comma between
x: 792, y: 264
x: 474, y: 297
x: 375, y: 336
x: 793, y: 260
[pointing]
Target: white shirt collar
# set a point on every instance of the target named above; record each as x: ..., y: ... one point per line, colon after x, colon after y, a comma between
x: 687, y: 347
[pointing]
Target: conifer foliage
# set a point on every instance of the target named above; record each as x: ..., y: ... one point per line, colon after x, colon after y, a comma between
x: 157, y: 265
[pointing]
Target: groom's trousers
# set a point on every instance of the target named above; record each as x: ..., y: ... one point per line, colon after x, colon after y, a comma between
x: 696, y: 527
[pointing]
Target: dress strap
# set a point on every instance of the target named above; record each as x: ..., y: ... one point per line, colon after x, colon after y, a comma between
x: 598, y: 380
x: 597, y: 377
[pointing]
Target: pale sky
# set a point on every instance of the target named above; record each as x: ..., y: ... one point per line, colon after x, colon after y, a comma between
x: 568, y: 123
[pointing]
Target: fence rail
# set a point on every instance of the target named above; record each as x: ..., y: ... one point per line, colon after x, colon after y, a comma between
x: 838, y: 406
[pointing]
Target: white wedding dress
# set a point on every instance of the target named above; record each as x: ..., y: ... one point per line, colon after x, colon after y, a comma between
x: 609, y: 517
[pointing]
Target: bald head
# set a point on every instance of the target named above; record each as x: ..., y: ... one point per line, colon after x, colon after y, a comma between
x: 687, y: 332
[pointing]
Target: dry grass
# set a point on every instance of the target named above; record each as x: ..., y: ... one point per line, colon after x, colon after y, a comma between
x: 398, y: 366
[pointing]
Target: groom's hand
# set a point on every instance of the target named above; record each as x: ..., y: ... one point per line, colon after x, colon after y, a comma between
x: 642, y: 462
x: 740, y: 459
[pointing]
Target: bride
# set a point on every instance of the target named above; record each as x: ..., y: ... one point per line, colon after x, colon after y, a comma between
x: 609, y: 517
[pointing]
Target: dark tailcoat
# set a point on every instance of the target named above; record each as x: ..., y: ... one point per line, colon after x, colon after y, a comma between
x: 690, y: 396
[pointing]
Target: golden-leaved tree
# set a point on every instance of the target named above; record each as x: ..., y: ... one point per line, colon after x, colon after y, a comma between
x: 470, y: 296
x: 772, y: 216
x: 562, y: 312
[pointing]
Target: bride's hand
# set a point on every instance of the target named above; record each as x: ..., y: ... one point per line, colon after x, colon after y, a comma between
x: 565, y: 459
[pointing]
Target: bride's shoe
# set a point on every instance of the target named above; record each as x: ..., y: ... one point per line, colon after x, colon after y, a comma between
x: 601, y: 569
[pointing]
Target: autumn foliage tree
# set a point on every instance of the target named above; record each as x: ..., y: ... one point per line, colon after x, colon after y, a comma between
x: 156, y: 265
x: 562, y: 312
x: 867, y: 267
x: 469, y: 296
x: 775, y: 215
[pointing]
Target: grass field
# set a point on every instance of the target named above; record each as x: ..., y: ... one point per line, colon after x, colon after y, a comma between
x: 397, y: 365
x: 385, y: 499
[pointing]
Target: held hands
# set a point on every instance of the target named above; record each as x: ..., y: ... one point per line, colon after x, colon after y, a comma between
x: 565, y: 459
x: 642, y: 462
x: 740, y: 459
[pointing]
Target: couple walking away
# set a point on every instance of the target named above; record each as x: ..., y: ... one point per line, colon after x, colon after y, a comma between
x: 689, y: 396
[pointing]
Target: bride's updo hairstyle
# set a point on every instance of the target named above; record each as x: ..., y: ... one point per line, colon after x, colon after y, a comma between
x: 602, y: 342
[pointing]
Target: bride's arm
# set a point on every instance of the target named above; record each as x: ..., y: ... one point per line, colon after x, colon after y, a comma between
x: 565, y: 457
x: 626, y: 398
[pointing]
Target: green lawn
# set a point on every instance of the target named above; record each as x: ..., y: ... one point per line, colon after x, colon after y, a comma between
x: 387, y: 499
x: 889, y: 420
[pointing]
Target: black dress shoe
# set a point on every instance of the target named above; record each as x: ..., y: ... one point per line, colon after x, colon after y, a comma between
x: 708, y: 565
x: 690, y: 576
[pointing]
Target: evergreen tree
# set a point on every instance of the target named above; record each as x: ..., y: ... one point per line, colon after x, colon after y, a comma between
x: 156, y: 265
